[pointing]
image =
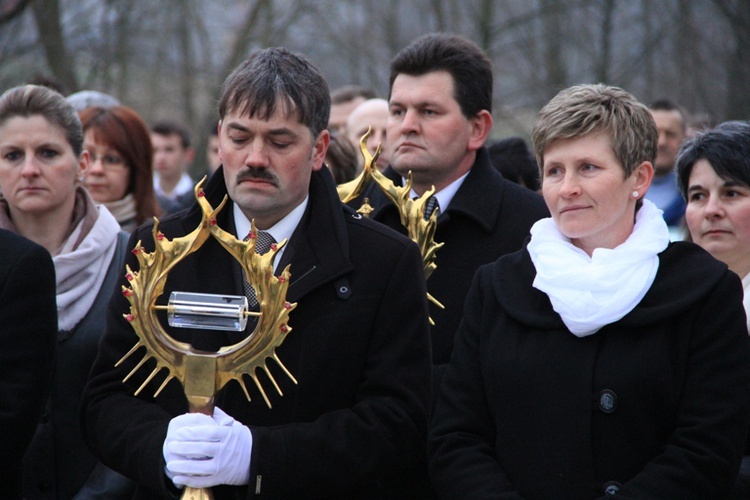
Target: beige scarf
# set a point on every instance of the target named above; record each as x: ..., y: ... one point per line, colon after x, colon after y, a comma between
x: 82, y: 262
x: 124, y: 212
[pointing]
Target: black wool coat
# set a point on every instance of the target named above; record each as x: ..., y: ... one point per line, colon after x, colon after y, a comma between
x: 57, y: 463
x: 655, y: 405
x: 359, y: 348
x: 28, y: 328
x: 488, y: 217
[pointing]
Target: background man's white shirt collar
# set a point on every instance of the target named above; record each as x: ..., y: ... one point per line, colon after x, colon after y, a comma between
x: 445, y: 195
x: 185, y: 185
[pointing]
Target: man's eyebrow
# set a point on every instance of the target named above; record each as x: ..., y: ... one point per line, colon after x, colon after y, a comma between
x: 282, y: 131
x: 237, y: 126
x: 275, y: 131
x: 422, y: 103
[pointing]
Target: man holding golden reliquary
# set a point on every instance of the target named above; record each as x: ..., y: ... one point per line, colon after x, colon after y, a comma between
x: 357, y: 347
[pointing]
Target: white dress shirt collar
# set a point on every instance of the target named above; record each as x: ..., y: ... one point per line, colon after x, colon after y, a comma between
x: 445, y: 195
x: 282, y: 230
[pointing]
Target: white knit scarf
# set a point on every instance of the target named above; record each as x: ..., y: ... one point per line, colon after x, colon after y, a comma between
x: 591, y: 292
x: 81, y: 270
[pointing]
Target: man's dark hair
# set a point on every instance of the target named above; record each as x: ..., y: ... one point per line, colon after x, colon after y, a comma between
x: 664, y: 105
x: 469, y: 66
x: 669, y: 105
x: 512, y: 157
x: 348, y: 93
x: 276, y: 77
x: 169, y: 127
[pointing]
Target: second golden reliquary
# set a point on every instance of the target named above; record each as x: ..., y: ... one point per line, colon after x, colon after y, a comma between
x: 420, y: 229
x: 203, y: 374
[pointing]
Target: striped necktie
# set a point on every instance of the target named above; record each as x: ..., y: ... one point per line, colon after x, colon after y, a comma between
x: 262, y: 245
x: 430, y: 206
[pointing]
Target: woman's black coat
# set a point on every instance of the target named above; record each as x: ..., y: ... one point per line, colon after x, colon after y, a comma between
x: 655, y: 405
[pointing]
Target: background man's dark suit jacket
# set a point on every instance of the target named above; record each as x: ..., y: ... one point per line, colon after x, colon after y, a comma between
x: 488, y: 217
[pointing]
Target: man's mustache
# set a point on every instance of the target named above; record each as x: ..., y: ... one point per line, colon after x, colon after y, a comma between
x: 253, y: 173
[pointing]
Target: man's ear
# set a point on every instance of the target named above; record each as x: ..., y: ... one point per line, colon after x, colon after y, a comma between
x: 320, y: 147
x: 481, y: 125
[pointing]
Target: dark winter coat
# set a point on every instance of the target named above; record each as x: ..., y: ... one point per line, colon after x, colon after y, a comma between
x: 488, y: 217
x: 655, y: 405
x: 28, y: 326
x: 359, y: 348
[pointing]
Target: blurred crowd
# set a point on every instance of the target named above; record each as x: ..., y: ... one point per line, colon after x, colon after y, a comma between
x: 584, y: 331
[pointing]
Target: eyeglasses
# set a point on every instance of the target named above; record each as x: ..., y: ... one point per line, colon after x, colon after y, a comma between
x: 109, y: 161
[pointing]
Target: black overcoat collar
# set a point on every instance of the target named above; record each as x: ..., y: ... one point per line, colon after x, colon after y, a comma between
x: 479, y: 197
x: 317, y: 252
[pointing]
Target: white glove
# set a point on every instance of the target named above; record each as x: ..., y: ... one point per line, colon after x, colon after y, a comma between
x: 183, y: 421
x: 201, y: 451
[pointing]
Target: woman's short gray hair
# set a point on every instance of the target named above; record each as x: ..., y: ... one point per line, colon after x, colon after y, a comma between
x: 588, y: 109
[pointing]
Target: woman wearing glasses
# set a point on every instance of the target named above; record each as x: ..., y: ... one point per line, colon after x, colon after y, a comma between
x: 120, y: 172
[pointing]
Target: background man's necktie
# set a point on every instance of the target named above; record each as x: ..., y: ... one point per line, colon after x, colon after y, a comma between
x: 430, y: 206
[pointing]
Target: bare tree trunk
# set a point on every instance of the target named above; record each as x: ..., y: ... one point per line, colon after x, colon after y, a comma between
x: 47, y: 16
x: 158, y: 71
x: 605, y: 41
x: 738, y: 97
x: 391, y: 31
x: 122, y: 51
x: 436, y: 6
x: 162, y: 58
x: 685, y: 58
x: 455, y: 9
x: 485, y: 25
x: 646, y: 42
x: 187, y: 64
x: 556, y: 75
x: 10, y: 12
x: 244, y: 36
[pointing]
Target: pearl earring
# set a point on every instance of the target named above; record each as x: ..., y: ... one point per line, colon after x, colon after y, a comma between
x: 635, y: 194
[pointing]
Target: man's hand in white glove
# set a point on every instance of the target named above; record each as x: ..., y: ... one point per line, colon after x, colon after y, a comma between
x: 201, y: 451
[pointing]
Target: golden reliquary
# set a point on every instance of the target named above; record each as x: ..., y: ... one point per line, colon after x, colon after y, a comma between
x: 203, y: 374
x: 420, y: 229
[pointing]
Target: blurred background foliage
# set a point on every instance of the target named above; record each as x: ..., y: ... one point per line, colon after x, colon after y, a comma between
x: 168, y: 58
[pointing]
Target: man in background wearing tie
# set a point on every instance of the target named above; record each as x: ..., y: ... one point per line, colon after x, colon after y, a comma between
x: 440, y: 107
x: 440, y: 117
x: 359, y: 344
